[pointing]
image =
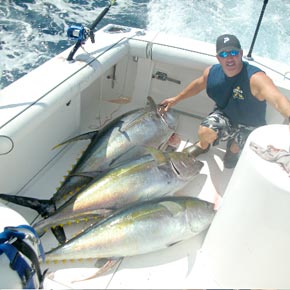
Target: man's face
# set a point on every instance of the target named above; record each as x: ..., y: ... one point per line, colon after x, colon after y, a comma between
x: 231, y: 62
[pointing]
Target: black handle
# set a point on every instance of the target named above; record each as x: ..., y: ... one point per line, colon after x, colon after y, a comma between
x: 91, y: 32
x: 249, y: 56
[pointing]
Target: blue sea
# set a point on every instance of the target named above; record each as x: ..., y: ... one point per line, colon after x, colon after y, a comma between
x: 33, y: 31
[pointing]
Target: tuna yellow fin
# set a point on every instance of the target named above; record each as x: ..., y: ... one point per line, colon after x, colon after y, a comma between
x: 108, y: 265
x: 85, y: 136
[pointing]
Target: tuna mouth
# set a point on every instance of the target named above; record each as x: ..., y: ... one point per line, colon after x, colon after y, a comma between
x: 161, y: 112
x: 161, y: 109
x: 164, y: 116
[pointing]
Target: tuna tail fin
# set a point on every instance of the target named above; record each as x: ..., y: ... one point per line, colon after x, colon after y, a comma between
x: 44, y: 207
x: 86, y: 136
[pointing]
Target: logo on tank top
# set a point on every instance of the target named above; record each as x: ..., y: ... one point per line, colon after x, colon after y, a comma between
x: 238, y: 93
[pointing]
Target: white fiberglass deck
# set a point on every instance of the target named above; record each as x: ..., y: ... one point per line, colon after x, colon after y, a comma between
x: 84, y: 90
x: 169, y: 268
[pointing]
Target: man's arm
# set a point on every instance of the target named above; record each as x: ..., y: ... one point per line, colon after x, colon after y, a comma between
x: 263, y: 88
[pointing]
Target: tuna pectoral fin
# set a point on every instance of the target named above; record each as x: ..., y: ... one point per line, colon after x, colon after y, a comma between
x: 133, y: 152
x: 85, y: 136
x: 108, y: 264
x: 89, y: 175
x: 44, y: 207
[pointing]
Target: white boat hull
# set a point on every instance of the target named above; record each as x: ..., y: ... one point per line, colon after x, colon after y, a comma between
x: 61, y: 99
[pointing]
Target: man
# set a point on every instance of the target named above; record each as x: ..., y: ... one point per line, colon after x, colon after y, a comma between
x: 240, y: 92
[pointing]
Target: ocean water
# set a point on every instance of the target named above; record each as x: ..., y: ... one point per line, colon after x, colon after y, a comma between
x: 33, y: 31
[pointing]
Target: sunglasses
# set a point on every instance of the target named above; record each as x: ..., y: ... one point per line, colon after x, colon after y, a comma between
x: 225, y: 54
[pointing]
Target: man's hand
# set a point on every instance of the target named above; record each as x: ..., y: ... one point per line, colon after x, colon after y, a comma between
x: 168, y: 103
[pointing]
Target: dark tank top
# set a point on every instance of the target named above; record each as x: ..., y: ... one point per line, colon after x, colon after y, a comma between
x: 233, y: 96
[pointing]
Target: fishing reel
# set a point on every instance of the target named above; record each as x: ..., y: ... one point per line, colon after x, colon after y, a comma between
x: 80, y: 33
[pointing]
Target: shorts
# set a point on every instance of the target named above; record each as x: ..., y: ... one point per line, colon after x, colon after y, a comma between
x: 225, y: 130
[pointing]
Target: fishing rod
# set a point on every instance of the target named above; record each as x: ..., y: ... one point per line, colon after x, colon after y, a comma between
x: 249, y: 56
x: 82, y: 33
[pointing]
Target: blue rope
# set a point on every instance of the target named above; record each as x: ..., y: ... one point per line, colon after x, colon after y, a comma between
x: 18, y: 263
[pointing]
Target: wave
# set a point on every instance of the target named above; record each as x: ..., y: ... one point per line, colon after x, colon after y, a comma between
x: 33, y: 31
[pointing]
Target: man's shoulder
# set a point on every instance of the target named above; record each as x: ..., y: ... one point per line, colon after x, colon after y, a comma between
x: 251, y: 68
x: 215, y: 68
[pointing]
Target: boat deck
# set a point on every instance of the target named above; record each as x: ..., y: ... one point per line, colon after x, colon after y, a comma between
x: 170, y: 268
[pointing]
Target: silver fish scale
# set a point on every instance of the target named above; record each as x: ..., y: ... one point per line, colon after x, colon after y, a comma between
x: 136, y: 230
x: 147, y: 128
x: 138, y: 180
x: 119, y: 141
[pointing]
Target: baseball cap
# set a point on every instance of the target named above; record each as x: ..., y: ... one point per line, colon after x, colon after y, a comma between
x: 227, y: 42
